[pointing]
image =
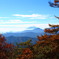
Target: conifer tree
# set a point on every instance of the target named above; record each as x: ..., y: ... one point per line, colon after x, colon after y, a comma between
x: 48, y: 45
x: 54, y: 4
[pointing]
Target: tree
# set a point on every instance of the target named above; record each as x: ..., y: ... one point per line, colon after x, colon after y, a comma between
x: 6, y: 50
x: 54, y: 4
x: 48, y: 45
x: 23, y: 50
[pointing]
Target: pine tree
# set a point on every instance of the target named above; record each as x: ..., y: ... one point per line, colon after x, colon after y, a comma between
x: 48, y: 45
x: 54, y: 4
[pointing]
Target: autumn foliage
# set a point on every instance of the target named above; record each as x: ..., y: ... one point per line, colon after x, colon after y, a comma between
x: 54, y: 4
x: 5, y: 48
x: 26, y: 54
x: 56, y: 1
x: 47, y: 47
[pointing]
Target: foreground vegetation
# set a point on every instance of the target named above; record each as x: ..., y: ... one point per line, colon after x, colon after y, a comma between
x: 47, y: 47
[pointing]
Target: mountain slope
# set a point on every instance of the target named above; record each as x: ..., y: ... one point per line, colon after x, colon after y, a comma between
x: 14, y: 40
x: 18, y: 37
x: 27, y: 33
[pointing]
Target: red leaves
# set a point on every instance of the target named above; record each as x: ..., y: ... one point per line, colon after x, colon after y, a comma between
x: 3, y: 55
x: 27, y: 51
x: 54, y: 25
x: 42, y: 37
x: 8, y: 45
x: 40, y: 42
x: 26, y: 54
x: 54, y: 30
x: 51, y: 30
x: 5, y: 48
x: 2, y: 39
x: 45, y: 39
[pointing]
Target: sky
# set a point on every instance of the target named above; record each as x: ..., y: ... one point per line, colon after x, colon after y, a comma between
x: 18, y: 15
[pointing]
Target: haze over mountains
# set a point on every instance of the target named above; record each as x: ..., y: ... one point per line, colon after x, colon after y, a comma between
x: 30, y: 33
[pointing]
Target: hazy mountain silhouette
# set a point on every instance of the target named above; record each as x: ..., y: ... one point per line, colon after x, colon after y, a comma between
x: 24, y: 35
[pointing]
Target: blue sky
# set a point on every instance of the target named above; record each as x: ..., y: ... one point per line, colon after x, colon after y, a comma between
x: 18, y: 15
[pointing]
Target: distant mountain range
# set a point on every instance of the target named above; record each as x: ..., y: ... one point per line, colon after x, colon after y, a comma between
x: 26, y: 33
x: 14, y: 40
x: 23, y: 36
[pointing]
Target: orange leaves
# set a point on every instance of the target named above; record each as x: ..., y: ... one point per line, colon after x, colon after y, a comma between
x: 5, y: 48
x: 54, y: 37
x: 48, y: 30
x: 27, y: 51
x: 45, y: 39
x: 55, y: 1
x: 51, y: 30
x: 40, y: 42
x: 2, y: 39
x: 53, y: 25
x: 57, y: 37
x: 9, y: 46
x: 26, y: 54
x: 42, y: 37
x: 45, y: 36
x: 46, y: 47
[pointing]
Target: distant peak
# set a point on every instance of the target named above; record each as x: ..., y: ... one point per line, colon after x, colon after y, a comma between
x: 37, y: 28
x: 32, y: 27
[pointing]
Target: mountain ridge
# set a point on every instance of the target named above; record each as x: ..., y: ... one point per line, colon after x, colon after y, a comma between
x: 23, y: 36
x: 29, y: 33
